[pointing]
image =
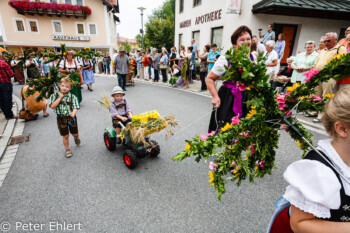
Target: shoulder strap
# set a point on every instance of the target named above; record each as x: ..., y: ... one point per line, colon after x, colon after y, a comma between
x: 75, y: 63
x: 339, y: 48
x: 64, y: 64
x: 125, y: 106
x: 313, y: 155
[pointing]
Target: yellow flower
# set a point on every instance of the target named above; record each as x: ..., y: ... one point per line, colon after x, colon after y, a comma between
x: 329, y: 62
x: 64, y: 54
x: 226, y: 127
x: 256, y: 167
x: 211, y: 178
x: 253, y: 107
x: 295, y: 86
x: 188, y: 146
x: 251, y: 114
x: 246, y: 157
x: 299, y: 144
x: 339, y: 56
x: 35, y: 79
x: 248, y: 88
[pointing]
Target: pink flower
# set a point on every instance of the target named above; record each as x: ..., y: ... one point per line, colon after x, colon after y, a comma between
x: 252, y: 151
x: 235, y: 142
x: 203, y: 138
x: 235, y: 120
x: 212, y: 166
x: 315, y: 98
x: 244, y: 134
x: 311, y: 73
x: 262, y: 162
x: 242, y: 87
x: 211, y: 134
x: 281, y: 106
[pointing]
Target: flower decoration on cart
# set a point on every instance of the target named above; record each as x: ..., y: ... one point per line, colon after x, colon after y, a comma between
x: 246, y: 147
x: 143, y: 124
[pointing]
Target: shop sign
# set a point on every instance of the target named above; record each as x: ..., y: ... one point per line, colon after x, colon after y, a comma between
x: 233, y: 6
x: 212, y: 16
x: 71, y: 38
x: 185, y: 24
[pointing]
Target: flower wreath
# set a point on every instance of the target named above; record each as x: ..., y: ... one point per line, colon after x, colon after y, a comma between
x: 246, y: 148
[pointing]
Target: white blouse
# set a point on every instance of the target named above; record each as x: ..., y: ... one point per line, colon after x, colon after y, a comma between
x: 270, y: 58
x: 219, y: 66
x: 72, y: 66
x: 314, y: 187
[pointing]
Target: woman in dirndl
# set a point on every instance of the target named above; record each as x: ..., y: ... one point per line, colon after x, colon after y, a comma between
x: 18, y: 70
x: 88, y: 74
x: 186, y: 68
x: 229, y: 101
x: 32, y: 68
x: 72, y: 67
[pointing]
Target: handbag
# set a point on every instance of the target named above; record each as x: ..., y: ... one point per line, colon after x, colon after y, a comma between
x: 24, y: 113
x: 163, y: 66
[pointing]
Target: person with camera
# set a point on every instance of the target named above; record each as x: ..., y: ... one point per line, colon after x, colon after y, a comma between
x: 269, y: 35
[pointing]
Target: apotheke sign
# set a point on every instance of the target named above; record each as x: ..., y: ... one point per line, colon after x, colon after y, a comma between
x: 72, y: 38
x: 212, y: 16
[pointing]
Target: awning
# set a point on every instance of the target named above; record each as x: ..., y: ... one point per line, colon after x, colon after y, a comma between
x: 328, y: 9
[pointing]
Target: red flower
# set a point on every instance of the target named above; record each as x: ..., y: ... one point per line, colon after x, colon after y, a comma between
x: 27, y: 5
x: 240, y: 70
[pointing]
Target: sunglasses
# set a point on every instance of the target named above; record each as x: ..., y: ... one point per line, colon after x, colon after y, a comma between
x: 327, y: 41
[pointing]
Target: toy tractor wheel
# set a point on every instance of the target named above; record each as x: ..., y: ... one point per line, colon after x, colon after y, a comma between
x: 109, y: 142
x: 130, y: 159
x: 155, y: 150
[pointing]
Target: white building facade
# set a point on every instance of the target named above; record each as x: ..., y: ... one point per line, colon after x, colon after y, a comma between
x: 214, y: 21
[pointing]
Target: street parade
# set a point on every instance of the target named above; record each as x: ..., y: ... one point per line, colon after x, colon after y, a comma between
x: 228, y: 127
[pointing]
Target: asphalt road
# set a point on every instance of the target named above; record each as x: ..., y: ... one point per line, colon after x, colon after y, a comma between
x: 95, y: 188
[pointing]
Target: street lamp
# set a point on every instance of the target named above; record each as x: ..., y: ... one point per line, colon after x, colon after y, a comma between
x: 142, y: 9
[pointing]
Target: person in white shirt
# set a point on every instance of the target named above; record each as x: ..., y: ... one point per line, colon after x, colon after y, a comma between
x: 272, y: 59
x: 319, y: 187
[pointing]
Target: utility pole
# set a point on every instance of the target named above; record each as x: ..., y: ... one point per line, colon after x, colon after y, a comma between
x: 142, y: 9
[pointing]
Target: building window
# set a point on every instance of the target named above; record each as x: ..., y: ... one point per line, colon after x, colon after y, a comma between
x: 69, y: 2
x: 19, y: 25
x: 33, y: 26
x: 180, y: 41
x: 196, y: 2
x: 196, y: 36
x: 57, y: 27
x: 181, y: 6
x: 80, y: 28
x: 53, y: 1
x: 80, y: 2
x: 216, y: 36
x: 92, y: 27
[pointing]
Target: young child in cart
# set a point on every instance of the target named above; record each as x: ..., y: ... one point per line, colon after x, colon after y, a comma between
x: 120, y: 109
x: 66, y: 106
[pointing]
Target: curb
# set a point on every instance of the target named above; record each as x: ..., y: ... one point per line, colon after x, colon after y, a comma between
x: 14, y: 127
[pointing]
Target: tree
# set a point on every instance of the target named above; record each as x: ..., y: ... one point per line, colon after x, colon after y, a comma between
x: 139, y: 40
x: 127, y: 46
x: 160, y: 27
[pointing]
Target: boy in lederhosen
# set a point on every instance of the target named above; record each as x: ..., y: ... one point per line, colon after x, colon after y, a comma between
x: 66, y: 105
x: 120, y: 109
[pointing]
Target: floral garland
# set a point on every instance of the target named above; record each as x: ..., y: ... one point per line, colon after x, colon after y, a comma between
x: 246, y: 147
x: 28, y: 5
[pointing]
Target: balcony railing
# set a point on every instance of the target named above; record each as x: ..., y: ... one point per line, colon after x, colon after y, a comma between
x: 51, y: 9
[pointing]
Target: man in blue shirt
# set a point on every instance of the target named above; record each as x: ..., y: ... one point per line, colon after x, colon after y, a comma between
x: 212, y: 57
x: 269, y: 35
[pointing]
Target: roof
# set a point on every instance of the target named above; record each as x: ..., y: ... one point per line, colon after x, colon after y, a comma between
x: 329, y: 9
x: 124, y: 39
x: 113, y: 6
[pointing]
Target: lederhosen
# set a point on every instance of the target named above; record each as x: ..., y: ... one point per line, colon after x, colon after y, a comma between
x: 116, y: 121
x: 343, y: 213
x: 62, y: 121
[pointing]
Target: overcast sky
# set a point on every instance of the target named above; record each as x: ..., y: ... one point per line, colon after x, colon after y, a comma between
x: 130, y: 17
